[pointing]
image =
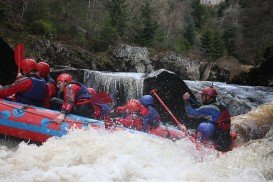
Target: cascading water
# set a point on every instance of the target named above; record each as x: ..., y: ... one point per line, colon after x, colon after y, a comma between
x: 122, y: 86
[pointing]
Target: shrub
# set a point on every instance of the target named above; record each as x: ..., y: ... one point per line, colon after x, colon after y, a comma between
x: 43, y: 27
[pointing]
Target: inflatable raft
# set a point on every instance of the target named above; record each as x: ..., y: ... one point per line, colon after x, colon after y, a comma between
x: 35, y: 123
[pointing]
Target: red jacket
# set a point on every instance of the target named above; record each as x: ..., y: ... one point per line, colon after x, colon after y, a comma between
x: 50, y: 93
x: 72, y: 97
x: 21, y: 85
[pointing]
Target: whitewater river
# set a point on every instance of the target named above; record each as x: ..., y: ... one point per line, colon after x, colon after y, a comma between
x: 122, y: 156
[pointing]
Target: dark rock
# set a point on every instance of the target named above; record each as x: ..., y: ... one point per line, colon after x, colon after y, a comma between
x: 170, y: 89
x: 260, y: 76
x: 8, y: 67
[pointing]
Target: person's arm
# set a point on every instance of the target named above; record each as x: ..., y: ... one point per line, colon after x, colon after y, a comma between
x: 196, y: 113
x: 21, y: 85
x: 70, y: 92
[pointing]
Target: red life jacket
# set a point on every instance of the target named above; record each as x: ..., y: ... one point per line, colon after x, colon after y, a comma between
x: 223, y: 122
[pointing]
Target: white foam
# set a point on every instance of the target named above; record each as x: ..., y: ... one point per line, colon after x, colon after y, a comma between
x: 123, y: 156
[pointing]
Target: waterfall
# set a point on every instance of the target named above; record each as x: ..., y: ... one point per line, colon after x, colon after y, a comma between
x: 121, y: 86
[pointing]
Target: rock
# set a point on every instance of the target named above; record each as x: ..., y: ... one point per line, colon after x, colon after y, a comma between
x: 57, y: 54
x: 170, y: 89
x: 7, y: 64
x: 259, y: 76
x: 133, y: 59
x: 183, y: 67
x: 213, y: 72
x: 190, y: 70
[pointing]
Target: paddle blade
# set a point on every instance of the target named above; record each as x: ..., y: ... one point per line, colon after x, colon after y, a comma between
x: 101, y: 98
x: 19, y: 54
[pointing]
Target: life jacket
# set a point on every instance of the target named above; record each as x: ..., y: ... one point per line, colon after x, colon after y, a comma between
x: 51, y: 86
x: 152, y: 119
x: 223, y: 122
x: 222, y: 125
x: 36, y: 95
x: 83, y: 93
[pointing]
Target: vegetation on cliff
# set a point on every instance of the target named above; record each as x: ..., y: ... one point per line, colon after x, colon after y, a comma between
x: 242, y: 29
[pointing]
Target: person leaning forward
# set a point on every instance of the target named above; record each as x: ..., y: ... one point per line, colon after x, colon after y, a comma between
x: 212, y: 112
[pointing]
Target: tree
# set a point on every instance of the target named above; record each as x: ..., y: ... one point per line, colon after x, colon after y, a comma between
x: 190, y: 31
x: 212, y: 44
x: 148, y: 26
x: 118, y: 13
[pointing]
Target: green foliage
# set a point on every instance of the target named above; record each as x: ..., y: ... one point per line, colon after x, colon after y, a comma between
x: 200, y: 13
x: 107, y: 35
x: 39, y: 19
x: 5, y: 10
x: 37, y: 10
x: 160, y: 40
x: 118, y: 14
x: 221, y: 8
x: 229, y: 39
x: 99, y: 25
x: 190, y: 31
x: 148, y: 25
x: 212, y: 44
x: 43, y: 27
x: 181, y: 45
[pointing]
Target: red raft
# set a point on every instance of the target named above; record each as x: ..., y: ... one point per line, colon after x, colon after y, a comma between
x: 35, y: 123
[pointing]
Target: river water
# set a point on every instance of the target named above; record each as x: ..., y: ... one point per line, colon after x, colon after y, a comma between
x: 94, y: 155
x: 123, y: 156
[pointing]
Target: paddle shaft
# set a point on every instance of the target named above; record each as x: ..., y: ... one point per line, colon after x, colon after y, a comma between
x: 166, y: 108
x: 19, y: 56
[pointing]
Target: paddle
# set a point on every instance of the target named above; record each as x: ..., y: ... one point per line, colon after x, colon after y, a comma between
x: 19, y: 52
x: 179, y: 125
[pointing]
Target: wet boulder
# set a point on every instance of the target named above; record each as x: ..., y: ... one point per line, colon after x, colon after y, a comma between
x: 170, y: 88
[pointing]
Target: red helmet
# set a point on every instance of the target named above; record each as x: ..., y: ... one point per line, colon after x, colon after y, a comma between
x: 133, y: 105
x: 92, y: 91
x: 64, y: 77
x: 43, y: 68
x: 209, y: 91
x: 28, y: 65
